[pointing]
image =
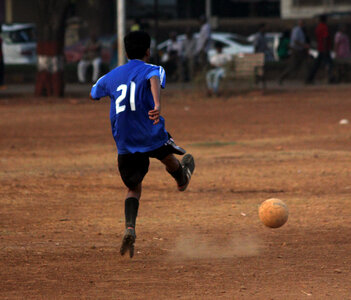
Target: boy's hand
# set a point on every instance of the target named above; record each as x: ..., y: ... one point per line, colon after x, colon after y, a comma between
x: 154, y: 115
x: 91, y: 98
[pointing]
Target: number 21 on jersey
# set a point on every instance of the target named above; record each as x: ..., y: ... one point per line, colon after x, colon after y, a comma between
x: 123, y: 88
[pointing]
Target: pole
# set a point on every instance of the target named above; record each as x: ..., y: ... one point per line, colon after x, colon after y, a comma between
x: 208, y: 10
x: 121, y: 29
x: 8, y: 11
x: 156, y: 31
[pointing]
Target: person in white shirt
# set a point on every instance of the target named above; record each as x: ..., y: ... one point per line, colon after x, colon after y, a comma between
x: 203, y: 42
x: 218, y: 61
x: 299, y: 51
x: 188, y: 52
x: 174, y: 49
x: 91, y: 56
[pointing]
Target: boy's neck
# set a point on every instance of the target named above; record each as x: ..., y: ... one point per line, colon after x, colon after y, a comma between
x: 144, y: 59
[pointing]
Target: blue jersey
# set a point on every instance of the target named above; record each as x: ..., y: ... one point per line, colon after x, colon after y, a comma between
x: 131, y: 99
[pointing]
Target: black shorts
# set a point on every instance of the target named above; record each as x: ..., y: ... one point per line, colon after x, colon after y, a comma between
x: 133, y: 167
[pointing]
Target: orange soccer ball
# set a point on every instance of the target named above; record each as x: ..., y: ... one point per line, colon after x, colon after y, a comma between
x: 273, y: 213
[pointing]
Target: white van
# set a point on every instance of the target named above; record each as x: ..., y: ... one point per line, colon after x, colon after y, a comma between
x: 19, y: 43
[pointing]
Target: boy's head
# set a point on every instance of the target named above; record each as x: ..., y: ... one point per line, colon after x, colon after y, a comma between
x: 137, y: 44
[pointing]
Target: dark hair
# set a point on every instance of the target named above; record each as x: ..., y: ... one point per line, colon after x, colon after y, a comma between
x: 218, y: 45
x: 323, y: 18
x: 261, y: 25
x: 203, y: 19
x: 136, y: 44
x: 286, y: 33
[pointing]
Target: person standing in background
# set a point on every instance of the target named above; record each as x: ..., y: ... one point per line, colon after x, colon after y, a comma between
x: 203, y: 43
x: 260, y: 43
x: 342, y: 52
x: 174, y: 51
x: 114, y: 55
x: 284, y: 46
x: 2, y: 86
x: 324, y: 44
x: 342, y: 43
x: 213, y: 77
x: 299, y: 51
x: 188, y: 50
x: 91, y: 56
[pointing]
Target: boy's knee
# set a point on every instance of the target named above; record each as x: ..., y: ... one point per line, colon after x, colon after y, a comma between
x: 171, y: 163
x: 133, y: 183
x: 135, y: 191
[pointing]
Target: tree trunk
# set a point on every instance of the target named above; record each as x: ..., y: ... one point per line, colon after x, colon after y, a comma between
x: 50, y: 47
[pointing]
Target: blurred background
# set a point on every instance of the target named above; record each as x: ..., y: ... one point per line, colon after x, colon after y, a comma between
x: 28, y: 26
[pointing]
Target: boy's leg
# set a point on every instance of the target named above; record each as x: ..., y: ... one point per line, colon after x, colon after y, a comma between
x: 133, y: 168
x: 217, y: 77
x: 180, y: 171
x: 209, y: 80
x: 131, y: 206
x: 82, y: 70
x: 96, y: 68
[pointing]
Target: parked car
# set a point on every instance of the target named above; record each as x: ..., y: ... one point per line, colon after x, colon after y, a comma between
x: 232, y: 44
x: 19, y: 43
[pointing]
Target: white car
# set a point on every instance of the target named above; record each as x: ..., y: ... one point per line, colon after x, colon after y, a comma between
x: 19, y: 44
x: 232, y: 44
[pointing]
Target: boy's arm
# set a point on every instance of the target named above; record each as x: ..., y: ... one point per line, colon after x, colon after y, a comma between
x: 156, y: 94
x: 98, y: 90
x: 91, y: 98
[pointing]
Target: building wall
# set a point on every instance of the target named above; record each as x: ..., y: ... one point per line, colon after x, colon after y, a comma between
x: 2, y: 11
x: 294, y: 9
x: 23, y: 11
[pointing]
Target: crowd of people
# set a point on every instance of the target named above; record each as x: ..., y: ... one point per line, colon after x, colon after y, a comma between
x: 185, y: 58
x: 298, y: 46
x: 2, y: 86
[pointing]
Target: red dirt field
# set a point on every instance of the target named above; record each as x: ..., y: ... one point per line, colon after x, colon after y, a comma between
x: 62, y: 200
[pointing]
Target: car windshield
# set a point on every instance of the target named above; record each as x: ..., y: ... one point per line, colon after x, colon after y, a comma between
x: 240, y: 40
x: 26, y: 35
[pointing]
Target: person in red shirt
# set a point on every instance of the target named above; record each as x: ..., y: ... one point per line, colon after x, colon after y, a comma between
x: 1, y: 63
x: 324, y: 46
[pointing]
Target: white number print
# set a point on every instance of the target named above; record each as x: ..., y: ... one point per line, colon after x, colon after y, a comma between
x: 120, y: 98
x: 123, y: 88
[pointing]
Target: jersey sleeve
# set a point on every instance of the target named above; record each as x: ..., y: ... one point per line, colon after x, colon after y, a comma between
x: 98, y: 90
x: 159, y: 72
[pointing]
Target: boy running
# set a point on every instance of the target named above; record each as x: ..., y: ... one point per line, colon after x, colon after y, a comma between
x: 137, y: 126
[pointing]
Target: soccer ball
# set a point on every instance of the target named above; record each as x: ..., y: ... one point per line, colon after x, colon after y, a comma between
x: 273, y: 213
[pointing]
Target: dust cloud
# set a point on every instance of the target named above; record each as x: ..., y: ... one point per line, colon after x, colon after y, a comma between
x: 197, y: 246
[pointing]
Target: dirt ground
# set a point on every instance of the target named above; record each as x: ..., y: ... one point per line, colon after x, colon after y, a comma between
x: 62, y: 200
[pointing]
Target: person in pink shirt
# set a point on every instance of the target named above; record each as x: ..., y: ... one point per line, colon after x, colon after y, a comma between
x: 342, y: 53
x: 342, y: 43
x: 2, y: 87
